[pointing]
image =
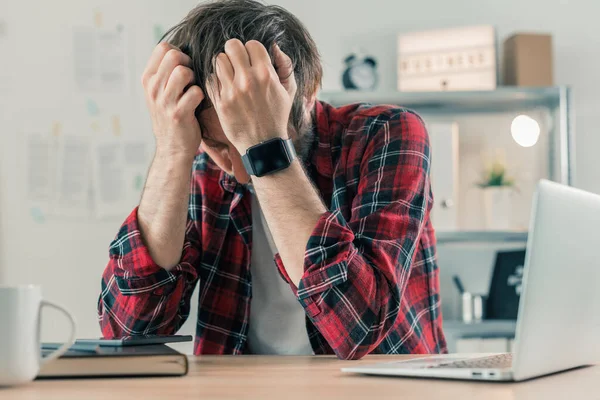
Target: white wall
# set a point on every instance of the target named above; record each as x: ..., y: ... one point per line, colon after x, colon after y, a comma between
x: 340, y: 25
x: 68, y: 257
x: 65, y: 256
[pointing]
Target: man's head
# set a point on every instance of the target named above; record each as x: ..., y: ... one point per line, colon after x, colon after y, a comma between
x: 202, y: 35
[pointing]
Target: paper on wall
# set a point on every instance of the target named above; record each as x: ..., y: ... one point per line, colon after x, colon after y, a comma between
x: 136, y: 153
x: 100, y: 59
x: 73, y: 177
x: 137, y: 159
x: 39, y: 167
x: 108, y: 178
x: 118, y: 174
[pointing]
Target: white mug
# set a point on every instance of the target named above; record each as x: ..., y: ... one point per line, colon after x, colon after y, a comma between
x: 20, y: 347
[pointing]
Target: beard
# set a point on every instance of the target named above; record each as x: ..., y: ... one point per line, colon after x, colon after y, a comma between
x: 303, y: 134
x: 303, y: 141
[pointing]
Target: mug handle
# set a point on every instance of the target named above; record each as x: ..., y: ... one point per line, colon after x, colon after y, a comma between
x: 62, y: 349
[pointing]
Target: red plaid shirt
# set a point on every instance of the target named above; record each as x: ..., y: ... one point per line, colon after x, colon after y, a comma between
x: 370, y: 281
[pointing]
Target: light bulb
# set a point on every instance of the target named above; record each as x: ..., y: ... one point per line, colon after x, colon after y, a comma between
x: 525, y: 130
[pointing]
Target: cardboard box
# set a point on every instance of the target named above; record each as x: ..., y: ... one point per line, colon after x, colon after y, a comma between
x: 528, y: 60
x: 448, y: 59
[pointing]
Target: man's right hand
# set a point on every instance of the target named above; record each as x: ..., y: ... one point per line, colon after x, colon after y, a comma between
x: 172, y: 100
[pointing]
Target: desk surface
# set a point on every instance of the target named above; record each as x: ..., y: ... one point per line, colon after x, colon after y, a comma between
x: 279, y: 377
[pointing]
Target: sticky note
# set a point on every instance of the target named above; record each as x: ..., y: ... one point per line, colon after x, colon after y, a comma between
x: 116, y: 125
x: 56, y: 128
x: 95, y: 126
x: 38, y: 215
x: 98, y: 19
x: 92, y: 107
x: 158, y: 32
x: 138, y: 182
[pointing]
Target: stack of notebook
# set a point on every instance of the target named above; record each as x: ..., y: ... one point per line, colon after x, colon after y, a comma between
x: 149, y: 360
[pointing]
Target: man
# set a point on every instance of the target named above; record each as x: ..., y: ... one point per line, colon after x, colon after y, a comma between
x: 231, y: 96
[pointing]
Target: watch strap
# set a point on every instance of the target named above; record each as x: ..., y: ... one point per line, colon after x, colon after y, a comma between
x: 247, y: 164
x: 290, y: 149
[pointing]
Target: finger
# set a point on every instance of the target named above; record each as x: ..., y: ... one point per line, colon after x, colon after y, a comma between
x: 171, y: 59
x: 224, y: 69
x: 284, y: 68
x: 180, y: 78
x: 191, y: 99
x: 153, y: 63
x: 257, y: 53
x: 238, y: 55
x: 213, y: 90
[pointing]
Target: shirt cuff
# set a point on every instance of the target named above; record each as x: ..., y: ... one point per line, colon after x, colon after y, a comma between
x: 134, y: 269
x: 328, y: 252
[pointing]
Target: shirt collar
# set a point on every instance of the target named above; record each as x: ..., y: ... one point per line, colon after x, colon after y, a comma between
x: 321, y: 157
x: 228, y: 182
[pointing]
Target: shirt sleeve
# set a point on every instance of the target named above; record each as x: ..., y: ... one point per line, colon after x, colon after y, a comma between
x: 138, y: 296
x: 357, y: 269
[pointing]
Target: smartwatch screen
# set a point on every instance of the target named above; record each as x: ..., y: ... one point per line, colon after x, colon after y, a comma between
x: 268, y: 157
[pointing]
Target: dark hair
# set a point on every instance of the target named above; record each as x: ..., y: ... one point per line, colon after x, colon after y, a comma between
x: 202, y: 35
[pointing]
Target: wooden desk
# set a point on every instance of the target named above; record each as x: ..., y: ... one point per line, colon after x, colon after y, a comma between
x: 307, y: 378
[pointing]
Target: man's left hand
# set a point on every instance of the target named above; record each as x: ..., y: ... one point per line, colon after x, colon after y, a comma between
x: 252, y: 97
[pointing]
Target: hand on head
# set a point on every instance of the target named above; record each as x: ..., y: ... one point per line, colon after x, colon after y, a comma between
x: 172, y: 99
x: 252, y: 97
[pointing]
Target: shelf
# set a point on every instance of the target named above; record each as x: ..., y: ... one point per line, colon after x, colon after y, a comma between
x: 486, y: 328
x: 502, y: 99
x: 481, y: 236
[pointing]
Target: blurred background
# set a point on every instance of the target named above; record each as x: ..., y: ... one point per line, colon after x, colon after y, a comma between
x: 502, y: 85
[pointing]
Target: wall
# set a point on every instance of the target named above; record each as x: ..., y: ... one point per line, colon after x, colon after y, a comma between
x: 338, y: 26
x: 67, y: 257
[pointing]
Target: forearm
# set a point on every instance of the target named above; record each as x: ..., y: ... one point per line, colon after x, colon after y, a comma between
x: 138, y: 296
x: 292, y: 207
x: 162, y: 214
x: 152, y: 313
x: 294, y: 210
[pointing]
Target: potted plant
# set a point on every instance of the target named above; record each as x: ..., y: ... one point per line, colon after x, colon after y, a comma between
x: 497, y: 192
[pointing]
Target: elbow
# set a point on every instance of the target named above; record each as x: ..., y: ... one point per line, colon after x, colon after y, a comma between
x: 351, y: 355
x: 379, y: 330
x: 352, y: 350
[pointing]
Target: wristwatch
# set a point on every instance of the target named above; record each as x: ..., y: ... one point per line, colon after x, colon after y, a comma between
x: 269, y: 157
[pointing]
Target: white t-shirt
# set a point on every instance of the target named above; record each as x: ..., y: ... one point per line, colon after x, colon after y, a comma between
x: 277, y: 320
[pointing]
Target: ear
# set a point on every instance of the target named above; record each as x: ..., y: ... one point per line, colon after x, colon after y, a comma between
x: 309, y: 104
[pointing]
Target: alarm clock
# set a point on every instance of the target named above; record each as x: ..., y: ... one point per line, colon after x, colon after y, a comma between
x: 360, y: 73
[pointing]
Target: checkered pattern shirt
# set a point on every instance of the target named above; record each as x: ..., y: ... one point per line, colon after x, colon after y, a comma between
x: 370, y: 282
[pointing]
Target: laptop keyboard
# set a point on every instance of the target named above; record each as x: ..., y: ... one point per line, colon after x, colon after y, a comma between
x: 497, y: 361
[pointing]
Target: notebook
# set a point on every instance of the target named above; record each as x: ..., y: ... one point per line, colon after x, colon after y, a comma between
x: 134, y: 361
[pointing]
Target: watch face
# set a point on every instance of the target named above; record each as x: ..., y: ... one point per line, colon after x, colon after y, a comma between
x: 268, y: 157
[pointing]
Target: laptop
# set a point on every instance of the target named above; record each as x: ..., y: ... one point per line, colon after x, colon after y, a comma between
x: 558, y: 324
